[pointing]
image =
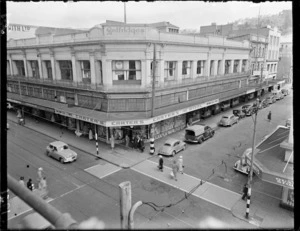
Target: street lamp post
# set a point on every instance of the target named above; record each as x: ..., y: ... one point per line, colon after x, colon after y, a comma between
x: 252, y: 157
x: 152, y: 148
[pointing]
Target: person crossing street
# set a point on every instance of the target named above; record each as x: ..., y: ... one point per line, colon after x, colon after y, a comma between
x: 161, y: 163
x: 180, y: 165
x: 245, y: 191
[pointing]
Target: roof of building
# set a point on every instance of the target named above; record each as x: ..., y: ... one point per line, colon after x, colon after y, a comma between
x: 271, y: 155
x: 56, y: 31
x: 157, y: 24
x: 160, y: 24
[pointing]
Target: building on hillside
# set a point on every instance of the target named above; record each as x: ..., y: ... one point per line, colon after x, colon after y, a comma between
x: 101, y: 79
x: 259, y: 45
x: 285, y: 63
x: 273, y: 162
x: 215, y: 29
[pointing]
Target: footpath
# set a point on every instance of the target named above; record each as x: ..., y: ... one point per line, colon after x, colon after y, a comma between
x: 264, y: 215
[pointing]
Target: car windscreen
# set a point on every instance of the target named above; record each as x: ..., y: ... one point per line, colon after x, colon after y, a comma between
x: 167, y: 144
x: 225, y: 117
x: 189, y: 133
x: 65, y: 147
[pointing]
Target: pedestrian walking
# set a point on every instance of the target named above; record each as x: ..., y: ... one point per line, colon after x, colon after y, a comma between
x: 112, y: 142
x: 269, y: 116
x: 40, y: 174
x: 90, y: 135
x: 30, y: 185
x: 21, y: 181
x: 142, y: 145
x: 161, y: 163
x: 127, y: 140
x: 180, y: 164
x: 245, y: 191
x: 43, y: 187
x: 175, y: 169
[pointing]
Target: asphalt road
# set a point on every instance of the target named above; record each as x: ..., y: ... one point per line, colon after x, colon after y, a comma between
x: 83, y: 195
x: 228, y: 144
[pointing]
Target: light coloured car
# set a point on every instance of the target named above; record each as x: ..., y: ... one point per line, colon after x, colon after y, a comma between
x: 171, y: 147
x: 61, y: 151
x: 285, y: 92
x: 228, y: 120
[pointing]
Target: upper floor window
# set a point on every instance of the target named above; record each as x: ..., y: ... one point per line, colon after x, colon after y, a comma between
x: 186, y: 69
x: 66, y: 70
x: 20, y: 67
x: 200, y: 67
x: 34, y: 68
x: 126, y: 70
x: 85, y: 71
x: 244, y: 63
x: 170, y: 67
x: 227, y: 66
x: 212, y: 67
x: 235, y: 66
x: 48, y: 69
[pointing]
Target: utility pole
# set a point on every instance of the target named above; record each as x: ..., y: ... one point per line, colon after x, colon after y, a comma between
x: 125, y: 203
x: 251, y: 167
x: 96, y: 137
x: 152, y: 148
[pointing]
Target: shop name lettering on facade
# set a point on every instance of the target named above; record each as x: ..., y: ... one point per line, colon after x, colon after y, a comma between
x: 124, y: 30
x: 18, y: 28
x: 284, y: 182
x: 128, y: 122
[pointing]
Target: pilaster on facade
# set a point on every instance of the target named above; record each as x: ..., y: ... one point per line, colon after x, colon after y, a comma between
x: 161, y: 67
x: 215, y: 71
x: 194, y: 69
x: 74, y: 70
x: 40, y: 64
x: 240, y: 66
x: 179, y: 72
x: 222, y: 68
x: 144, y: 73
x: 207, y: 65
x: 93, y: 70
x: 53, y: 65
x: 106, y: 67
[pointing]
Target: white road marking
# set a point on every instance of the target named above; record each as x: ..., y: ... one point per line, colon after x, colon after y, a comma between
x: 198, y: 179
x: 182, y: 189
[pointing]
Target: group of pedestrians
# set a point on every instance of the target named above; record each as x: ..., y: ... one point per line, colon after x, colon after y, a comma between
x: 42, y: 183
x: 177, y: 166
x: 137, y: 142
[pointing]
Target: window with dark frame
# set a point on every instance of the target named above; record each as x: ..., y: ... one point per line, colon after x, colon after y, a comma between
x: 184, y: 67
x: 244, y: 65
x: 85, y: 69
x: 66, y: 70
x: 20, y: 67
x: 48, y: 69
x: 211, y: 71
x: 200, y: 66
x: 132, y: 70
x: 170, y: 69
x: 35, y: 69
x: 227, y: 66
x: 235, y: 66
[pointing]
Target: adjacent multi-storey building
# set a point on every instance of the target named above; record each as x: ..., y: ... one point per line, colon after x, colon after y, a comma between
x: 101, y: 79
x: 271, y: 52
x: 285, y: 63
x: 259, y: 45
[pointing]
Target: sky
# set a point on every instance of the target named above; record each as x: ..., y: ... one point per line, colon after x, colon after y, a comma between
x: 184, y: 14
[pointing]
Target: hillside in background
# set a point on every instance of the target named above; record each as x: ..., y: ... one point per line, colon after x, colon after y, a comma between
x: 282, y: 20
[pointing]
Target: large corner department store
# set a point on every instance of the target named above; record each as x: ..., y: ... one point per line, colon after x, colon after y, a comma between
x: 101, y: 79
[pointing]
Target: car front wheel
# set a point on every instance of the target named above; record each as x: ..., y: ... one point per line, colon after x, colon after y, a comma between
x: 173, y: 153
x: 61, y: 160
x: 47, y: 153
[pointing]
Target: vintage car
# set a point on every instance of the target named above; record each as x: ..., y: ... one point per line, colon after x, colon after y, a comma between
x: 239, y: 113
x: 228, y: 120
x: 241, y: 165
x: 271, y: 99
x: 171, y: 147
x: 264, y: 103
x: 225, y: 105
x: 198, y: 133
x: 248, y: 109
x: 60, y: 151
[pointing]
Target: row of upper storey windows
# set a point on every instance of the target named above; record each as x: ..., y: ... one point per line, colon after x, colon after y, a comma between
x: 273, y: 40
x: 87, y: 71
